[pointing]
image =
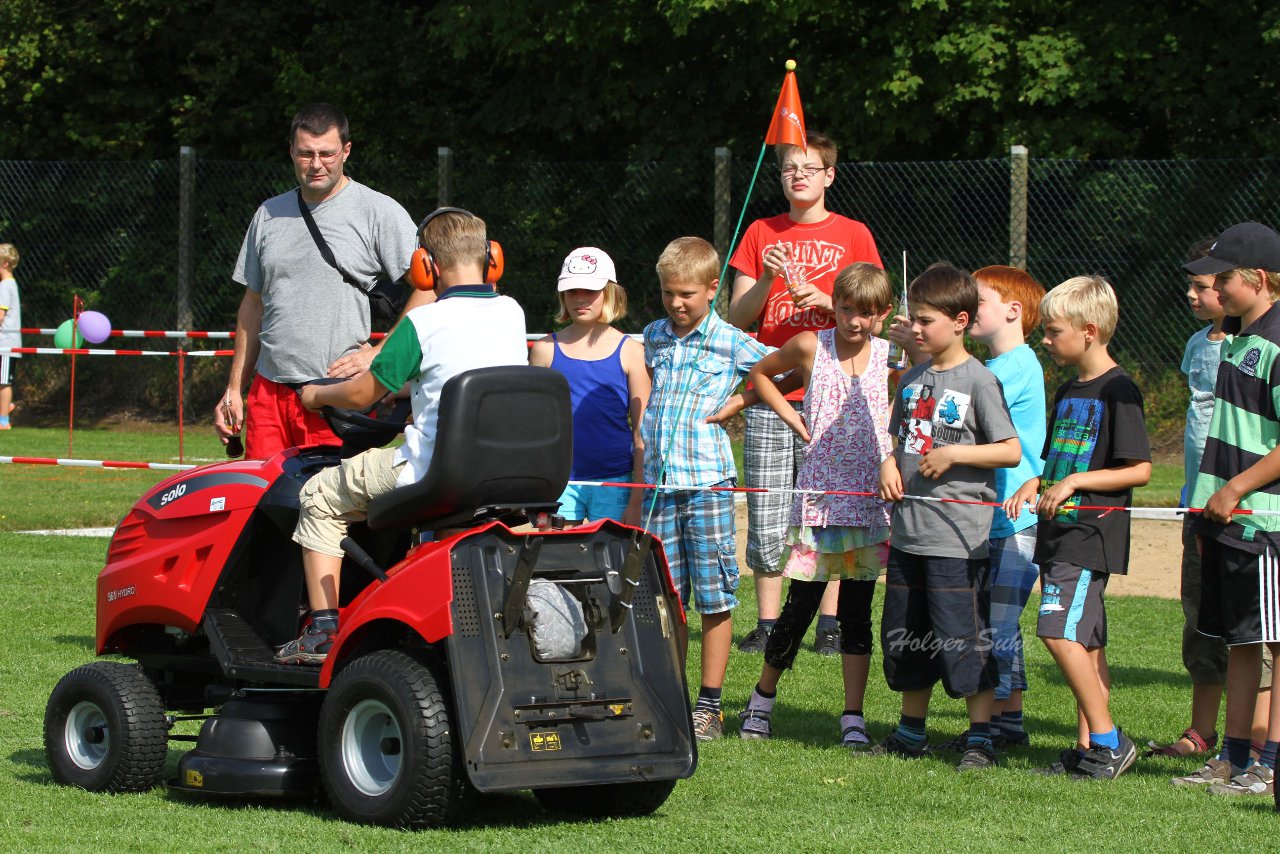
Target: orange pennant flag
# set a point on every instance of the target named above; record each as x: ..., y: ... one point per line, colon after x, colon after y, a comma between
x: 787, y: 125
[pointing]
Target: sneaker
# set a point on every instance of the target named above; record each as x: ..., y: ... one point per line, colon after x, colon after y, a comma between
x: 754, y: 641
x: 976, y: 758
x: 1214, y: 771
x: 1068, y: 761
x: 959, y: 744
x: 1257, y: 779
x: 891, y: 745
x: 1103, y: 763
x: 999, y: 740
x: 708, y: 726
x: 1003, y: 740
x: 855, y: 738
x: 755, y: 724
x: 312, y: 648
x: 827, y: 642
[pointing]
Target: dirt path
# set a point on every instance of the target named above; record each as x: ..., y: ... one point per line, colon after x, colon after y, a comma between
x: 1155, y: 558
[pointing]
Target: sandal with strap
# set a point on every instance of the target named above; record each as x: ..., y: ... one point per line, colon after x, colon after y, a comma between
x: 1200, y: 743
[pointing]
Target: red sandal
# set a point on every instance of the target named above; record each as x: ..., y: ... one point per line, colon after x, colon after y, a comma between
x: 1201, y: 744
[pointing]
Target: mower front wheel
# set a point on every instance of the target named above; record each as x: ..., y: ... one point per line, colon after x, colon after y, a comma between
x: 619, y: 800
x: 104, y: 729
x: 386, y: 746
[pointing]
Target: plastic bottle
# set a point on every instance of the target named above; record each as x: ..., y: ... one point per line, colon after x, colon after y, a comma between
x: 897, y: 356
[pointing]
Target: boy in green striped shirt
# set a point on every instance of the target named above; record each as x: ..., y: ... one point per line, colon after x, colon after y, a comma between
x: 1240, y: 471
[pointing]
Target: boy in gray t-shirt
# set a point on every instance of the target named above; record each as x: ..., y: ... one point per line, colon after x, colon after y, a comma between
x: 953, y: 430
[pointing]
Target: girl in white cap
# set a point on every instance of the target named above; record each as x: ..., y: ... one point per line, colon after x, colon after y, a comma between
x: 609, y: 386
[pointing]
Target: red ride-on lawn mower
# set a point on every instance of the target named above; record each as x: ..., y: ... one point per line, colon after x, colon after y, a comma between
x: 486, y: 659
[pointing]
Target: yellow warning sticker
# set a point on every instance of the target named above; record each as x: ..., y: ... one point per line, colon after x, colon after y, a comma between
x: 616, y: 708
x: 539, y: 741
x: 194, y: 778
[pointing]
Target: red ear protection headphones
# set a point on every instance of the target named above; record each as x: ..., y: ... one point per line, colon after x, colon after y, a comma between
x: 423, y: 273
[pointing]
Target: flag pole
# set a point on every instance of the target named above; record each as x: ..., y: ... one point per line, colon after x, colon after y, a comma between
x: 737, y: 229
x: 782, y: 128
x: 786, y: 125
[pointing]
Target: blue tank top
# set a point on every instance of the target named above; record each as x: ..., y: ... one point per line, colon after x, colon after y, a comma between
x: 601, y: 432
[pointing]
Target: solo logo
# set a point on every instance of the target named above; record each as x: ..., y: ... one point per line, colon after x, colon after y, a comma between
x: 177, y: 492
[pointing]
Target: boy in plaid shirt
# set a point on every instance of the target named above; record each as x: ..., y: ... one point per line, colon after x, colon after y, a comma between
x: 696, y: 361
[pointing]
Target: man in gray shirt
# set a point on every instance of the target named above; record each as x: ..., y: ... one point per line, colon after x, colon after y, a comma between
x: 299, y: 320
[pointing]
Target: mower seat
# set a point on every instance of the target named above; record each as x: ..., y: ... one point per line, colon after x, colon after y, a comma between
x: 504, y: 441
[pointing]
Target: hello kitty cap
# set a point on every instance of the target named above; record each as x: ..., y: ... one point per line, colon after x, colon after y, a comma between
x: 588, y: 268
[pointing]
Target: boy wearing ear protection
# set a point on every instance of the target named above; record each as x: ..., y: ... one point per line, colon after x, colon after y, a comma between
x: 468, y: 326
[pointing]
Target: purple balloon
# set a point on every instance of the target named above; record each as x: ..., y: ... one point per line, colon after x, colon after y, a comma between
x: 94, y: 326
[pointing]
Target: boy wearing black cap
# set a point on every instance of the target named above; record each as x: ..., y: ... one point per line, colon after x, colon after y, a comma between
x: 1240, y: 471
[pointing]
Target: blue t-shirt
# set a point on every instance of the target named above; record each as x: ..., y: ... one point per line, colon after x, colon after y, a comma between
x: 1200, y: 363
x: 1022, y: 380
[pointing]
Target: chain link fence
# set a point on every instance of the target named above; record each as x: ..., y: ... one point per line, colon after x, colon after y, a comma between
x: 112, y: 233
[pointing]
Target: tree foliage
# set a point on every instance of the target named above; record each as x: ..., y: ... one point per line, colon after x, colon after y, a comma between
x: 628, y: 79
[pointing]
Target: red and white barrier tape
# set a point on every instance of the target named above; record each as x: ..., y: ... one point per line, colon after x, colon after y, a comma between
x: 140, y: 333
x: 52, y: 461
x: 926, y: 498
x: 80, y: 351
x: 98, y: 464
x: 178, y: 333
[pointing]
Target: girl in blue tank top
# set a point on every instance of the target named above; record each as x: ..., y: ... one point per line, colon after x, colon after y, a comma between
x: 608, y: 384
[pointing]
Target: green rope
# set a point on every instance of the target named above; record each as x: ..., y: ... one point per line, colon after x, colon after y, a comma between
x: 724, y: 271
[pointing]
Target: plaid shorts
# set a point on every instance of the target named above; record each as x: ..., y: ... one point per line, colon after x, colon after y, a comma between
x: 1013, y: 574
x: 771, y: 457
x: 697, y: 533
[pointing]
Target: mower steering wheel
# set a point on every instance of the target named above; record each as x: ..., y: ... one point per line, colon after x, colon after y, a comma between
x: 356, y: 418
x: 359, y: 430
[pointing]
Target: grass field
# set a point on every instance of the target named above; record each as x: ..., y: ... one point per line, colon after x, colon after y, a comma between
x: 39, y: 497
x: 797, y: 792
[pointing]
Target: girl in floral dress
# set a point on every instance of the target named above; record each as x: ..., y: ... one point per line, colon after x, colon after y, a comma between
x: 833, y: 537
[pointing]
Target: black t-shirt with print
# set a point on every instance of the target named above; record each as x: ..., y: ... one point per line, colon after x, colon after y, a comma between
x: 1093, y: 425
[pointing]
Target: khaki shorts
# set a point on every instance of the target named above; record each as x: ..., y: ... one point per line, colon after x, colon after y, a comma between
x: 340, y: 495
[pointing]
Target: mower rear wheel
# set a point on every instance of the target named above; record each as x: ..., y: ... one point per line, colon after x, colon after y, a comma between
x: 386, y: 748
x: 104, y: 729
x: 618, y: 800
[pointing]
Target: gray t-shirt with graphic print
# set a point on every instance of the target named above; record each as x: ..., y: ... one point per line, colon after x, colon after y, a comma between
x: 959, y: 406
x: 310, y: 316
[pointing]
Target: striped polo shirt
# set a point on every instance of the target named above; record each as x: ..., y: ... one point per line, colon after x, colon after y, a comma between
x: 1244, y: 429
